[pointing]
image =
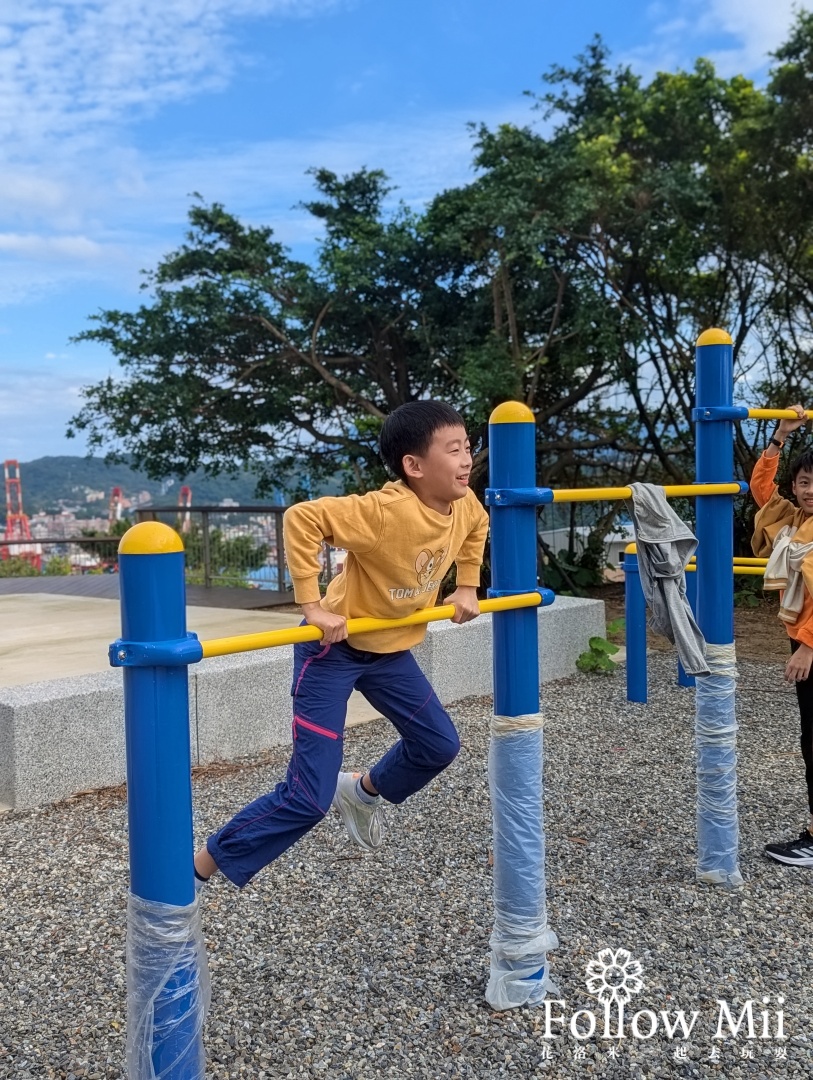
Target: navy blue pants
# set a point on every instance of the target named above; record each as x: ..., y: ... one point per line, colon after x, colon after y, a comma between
x: 324, y: 677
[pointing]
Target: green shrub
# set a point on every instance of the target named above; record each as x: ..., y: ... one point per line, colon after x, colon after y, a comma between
x: 597, y: 657
x: 747, y: 590
x: 58, y: 566
x: 16, y: 566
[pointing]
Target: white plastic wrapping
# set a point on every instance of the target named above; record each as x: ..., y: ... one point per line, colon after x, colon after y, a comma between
x: 521, y: 937
x: 716, y: 741
x: 168, y: 991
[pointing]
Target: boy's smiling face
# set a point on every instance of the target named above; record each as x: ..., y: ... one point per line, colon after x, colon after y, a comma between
x: 441, y: 475
x: 803, y: 490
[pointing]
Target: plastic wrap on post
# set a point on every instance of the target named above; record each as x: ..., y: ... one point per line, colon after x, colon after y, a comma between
x: 168, y: 991
x: 716, y: 741
x: 521, y: 937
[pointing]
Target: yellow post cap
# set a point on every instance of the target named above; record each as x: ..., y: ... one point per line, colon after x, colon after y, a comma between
x: 714, y: 336
x: 512, y: 412
x: 150, y: 538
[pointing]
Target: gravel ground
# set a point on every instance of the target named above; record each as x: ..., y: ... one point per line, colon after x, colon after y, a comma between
x: 339, y: 965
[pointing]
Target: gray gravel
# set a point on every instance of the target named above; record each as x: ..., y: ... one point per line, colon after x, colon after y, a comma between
x: 334, y: 964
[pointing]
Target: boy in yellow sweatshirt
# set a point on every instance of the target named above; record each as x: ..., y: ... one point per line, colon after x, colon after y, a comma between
x: 401, y: 540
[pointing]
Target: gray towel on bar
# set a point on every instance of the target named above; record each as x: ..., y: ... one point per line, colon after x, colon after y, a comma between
x: 665, y: 545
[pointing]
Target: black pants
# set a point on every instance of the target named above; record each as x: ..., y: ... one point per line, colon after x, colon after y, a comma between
x: 804, y: 692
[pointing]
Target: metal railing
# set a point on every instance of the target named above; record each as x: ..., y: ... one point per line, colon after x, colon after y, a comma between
x: 233, y: 546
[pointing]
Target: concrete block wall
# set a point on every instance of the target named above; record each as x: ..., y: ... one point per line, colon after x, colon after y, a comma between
x: 64, y: 736
x: 59, y: 737
x: 242, y: 703
x: 67, y: 735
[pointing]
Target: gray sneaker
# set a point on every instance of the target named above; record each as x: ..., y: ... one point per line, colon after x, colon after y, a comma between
x: 364, y: 821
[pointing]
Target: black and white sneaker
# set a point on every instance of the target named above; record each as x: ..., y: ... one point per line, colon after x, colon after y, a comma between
x: 796, y: 853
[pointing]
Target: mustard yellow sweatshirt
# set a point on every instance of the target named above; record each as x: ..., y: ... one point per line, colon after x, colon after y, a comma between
x: 399, y: 550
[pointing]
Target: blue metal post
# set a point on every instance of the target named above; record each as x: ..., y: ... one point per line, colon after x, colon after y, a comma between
x: 691, y: 594
x: 521, y: 937
x: 716, y: 725
x: 714, y: 450
x: 159, y: 803
x: 512, y: 464
x: 635, y: 630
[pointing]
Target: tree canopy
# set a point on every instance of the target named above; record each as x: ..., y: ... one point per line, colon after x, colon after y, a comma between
x: 574, y: 272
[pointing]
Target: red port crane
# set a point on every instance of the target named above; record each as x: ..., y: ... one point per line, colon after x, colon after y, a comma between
x: 17, y: 527
x: 114, y: 513
x: 185, y: 501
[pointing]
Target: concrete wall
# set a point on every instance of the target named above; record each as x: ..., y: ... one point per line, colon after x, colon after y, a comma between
x: 67, y: 735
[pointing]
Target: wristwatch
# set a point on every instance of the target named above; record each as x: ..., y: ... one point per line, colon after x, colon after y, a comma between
x: 775, y: 442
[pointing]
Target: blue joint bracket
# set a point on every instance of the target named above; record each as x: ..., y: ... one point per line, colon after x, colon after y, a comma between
x: 548, y: 595
x: 721, y: 412
x: 519, y: 496
x: 174, y: 653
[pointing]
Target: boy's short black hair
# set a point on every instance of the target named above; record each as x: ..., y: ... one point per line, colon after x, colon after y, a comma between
x: 409, y: 429
x: 804, y: 462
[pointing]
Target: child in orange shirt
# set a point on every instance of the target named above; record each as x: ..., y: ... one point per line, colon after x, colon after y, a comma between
x: 775, y: 515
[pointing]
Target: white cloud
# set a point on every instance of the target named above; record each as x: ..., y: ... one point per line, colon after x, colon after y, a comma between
x: 750, y: 30
x: 38, y: 247
x: 131, y: 208
x: 421, y: 158
x: 757, y: 27
x: 34, y: 406
x: 78, y: 201
x: 73, y: 75
x: 72, y: 67
x: 25, y: 189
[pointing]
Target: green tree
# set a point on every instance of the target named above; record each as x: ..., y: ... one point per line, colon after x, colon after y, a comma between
x: 244, y: 354
x: 574, y: 272
x: 688, y: 205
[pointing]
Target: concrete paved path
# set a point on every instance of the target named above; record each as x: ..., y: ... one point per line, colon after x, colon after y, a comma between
x: 45, y: 636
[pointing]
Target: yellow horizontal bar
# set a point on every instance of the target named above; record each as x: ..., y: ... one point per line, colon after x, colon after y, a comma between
x: 674, y: 491
x: 777, y: 414
x: 739, y: 560
x: 271, y: 638
x: 753, y: 571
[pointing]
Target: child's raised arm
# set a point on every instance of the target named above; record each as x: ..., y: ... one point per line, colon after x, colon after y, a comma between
x: 763, y: 476
x: 785, y: 428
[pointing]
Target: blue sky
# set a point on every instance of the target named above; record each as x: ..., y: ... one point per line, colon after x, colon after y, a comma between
x: 113, y: 111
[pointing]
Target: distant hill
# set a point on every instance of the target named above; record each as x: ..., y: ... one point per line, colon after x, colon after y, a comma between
x: 49, y: 483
